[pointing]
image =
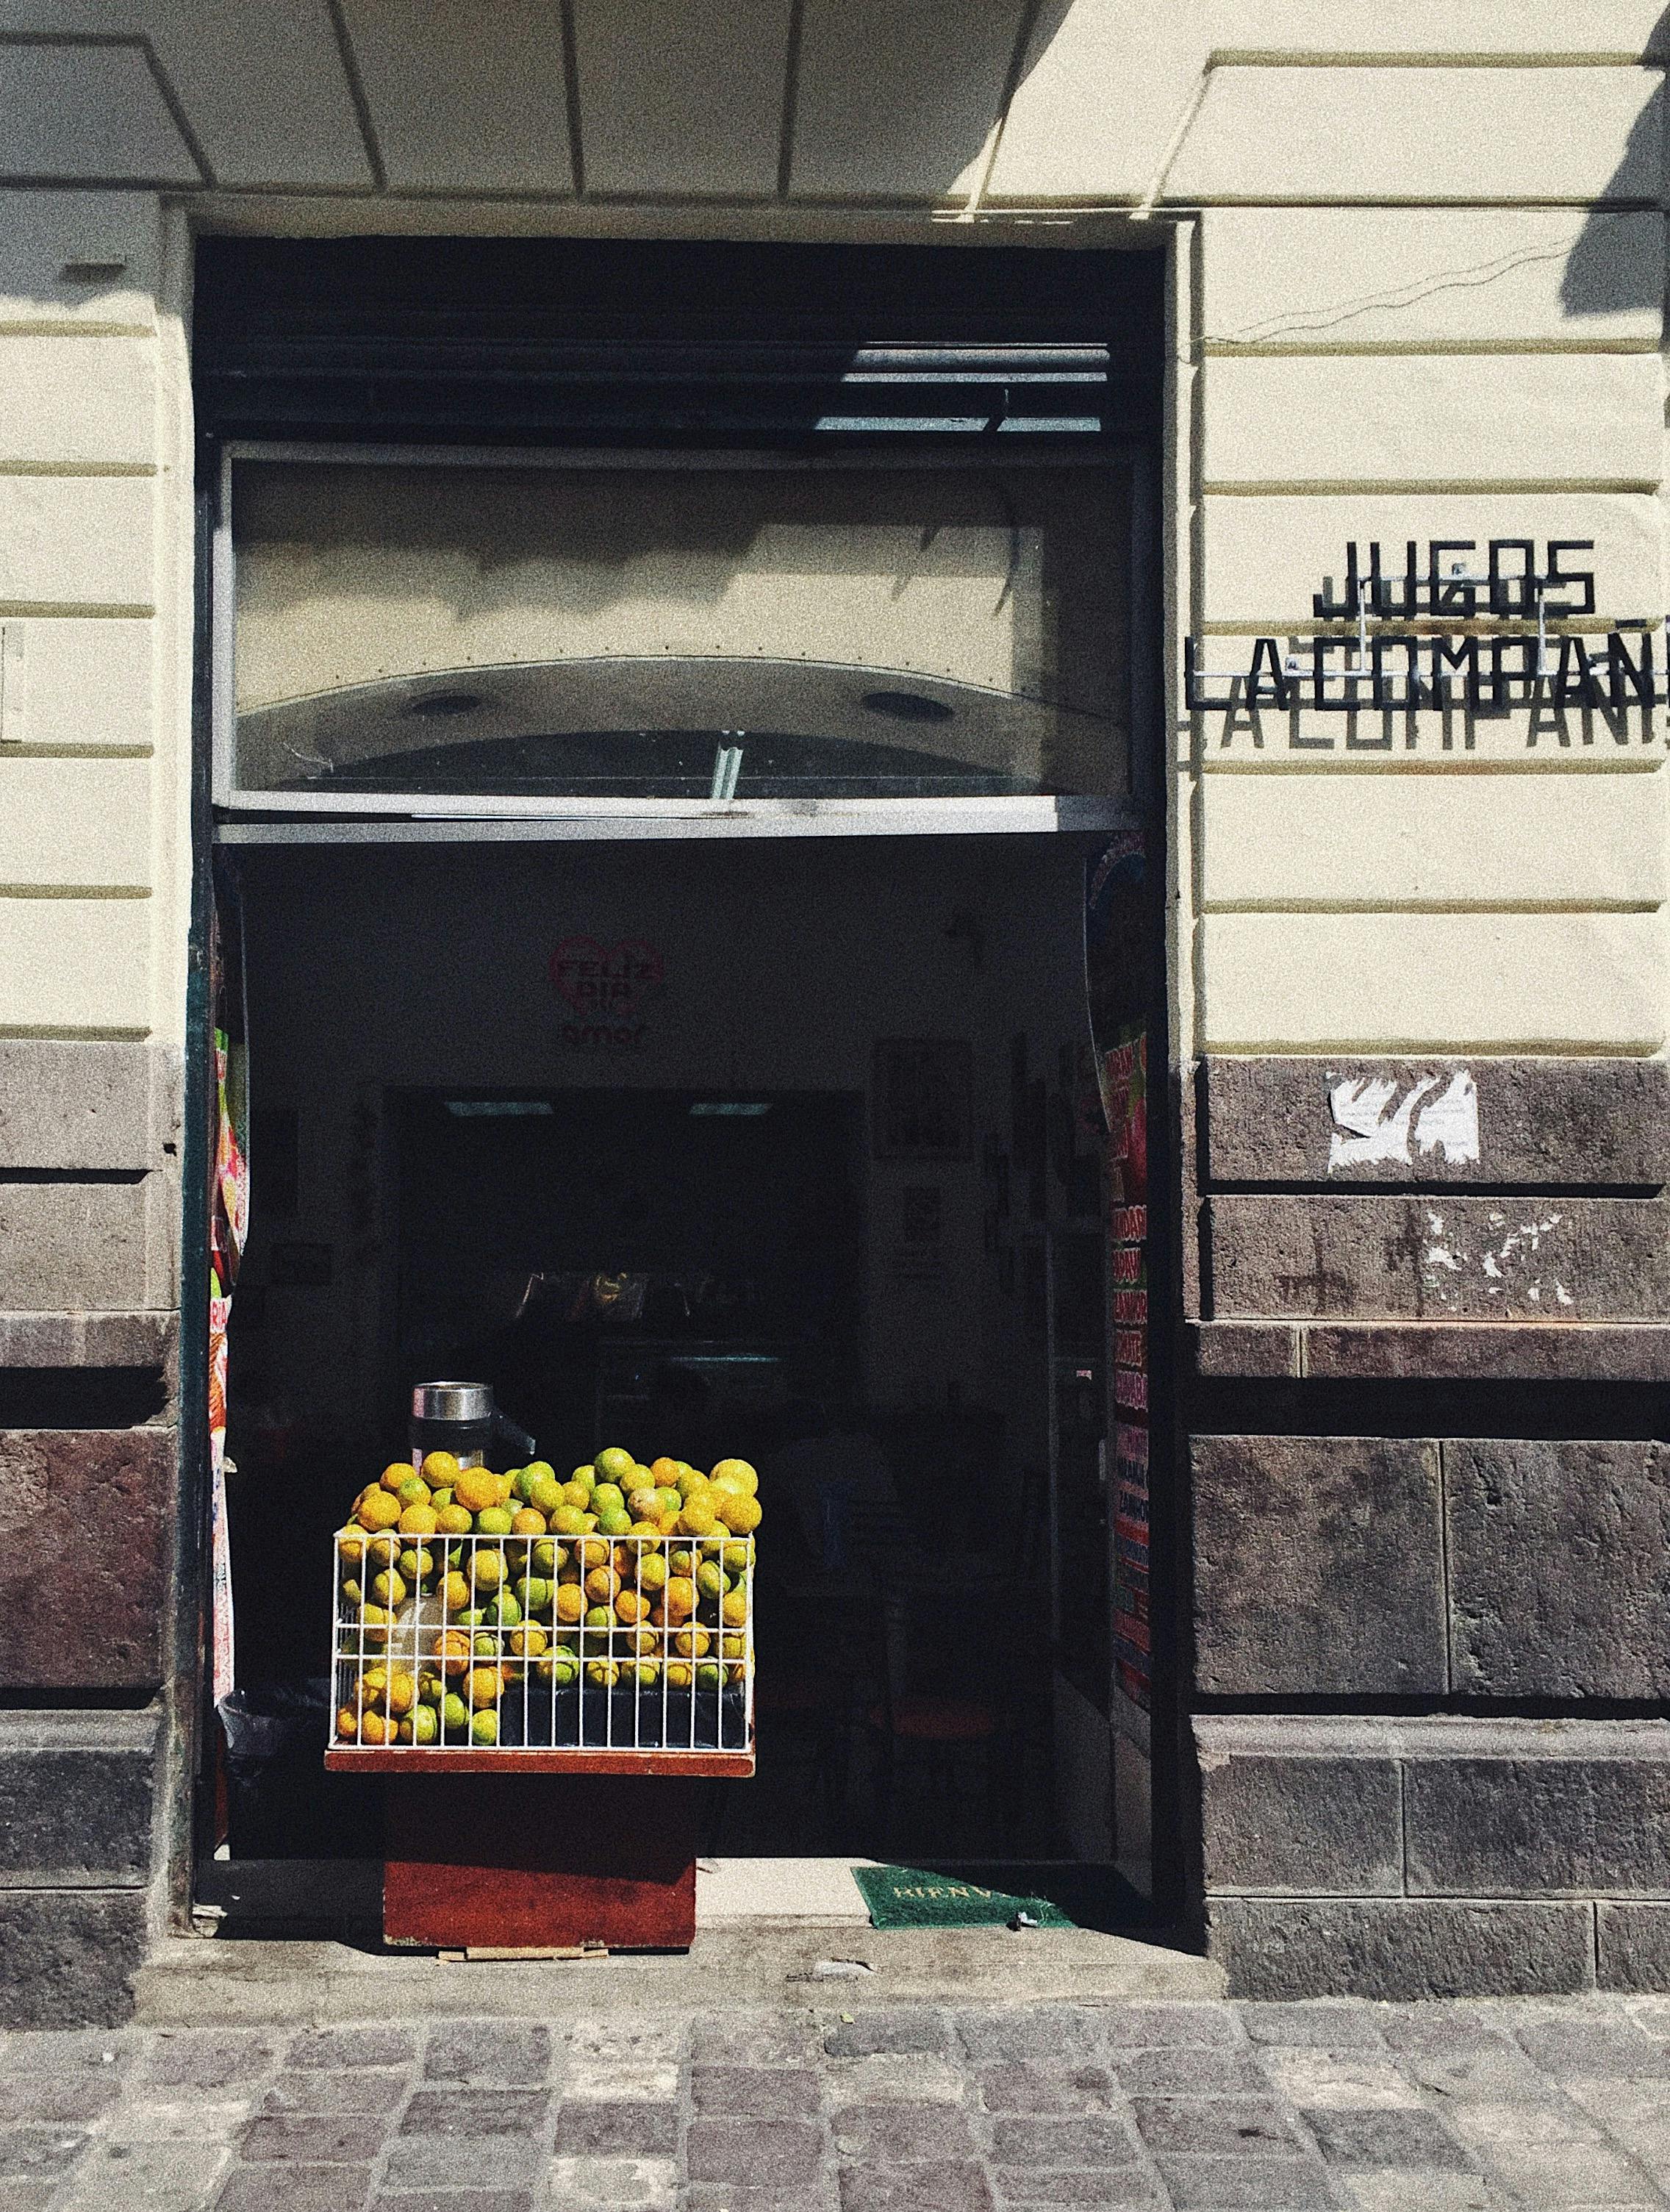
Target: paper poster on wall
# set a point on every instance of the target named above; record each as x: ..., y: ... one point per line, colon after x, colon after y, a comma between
x: 604, y: 987
x: 1117, y: 978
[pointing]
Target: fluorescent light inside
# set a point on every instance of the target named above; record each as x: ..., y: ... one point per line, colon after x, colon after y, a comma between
x: 471, y: 1109
x: 739, y: 1109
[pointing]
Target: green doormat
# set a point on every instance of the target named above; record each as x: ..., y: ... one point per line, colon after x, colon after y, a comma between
x: 906, y: 1897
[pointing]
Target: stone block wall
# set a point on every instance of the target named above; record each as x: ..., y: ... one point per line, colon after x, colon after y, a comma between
x: 1428, y: 1668
x: 90, y: 1196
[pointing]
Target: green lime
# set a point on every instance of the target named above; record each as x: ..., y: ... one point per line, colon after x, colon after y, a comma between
x: 493, y: 1521
x: 617, y: 1522
x: 484, y: 1727
x: 425, y: 1725
x: 454, y: 1714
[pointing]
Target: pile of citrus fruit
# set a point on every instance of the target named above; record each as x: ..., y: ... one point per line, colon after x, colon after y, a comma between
x: 460, y: 1591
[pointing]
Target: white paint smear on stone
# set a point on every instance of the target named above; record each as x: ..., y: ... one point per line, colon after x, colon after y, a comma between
x: 1372, y: 1123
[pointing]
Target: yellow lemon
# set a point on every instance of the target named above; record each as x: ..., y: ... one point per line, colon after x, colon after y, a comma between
x: 396, y: 1472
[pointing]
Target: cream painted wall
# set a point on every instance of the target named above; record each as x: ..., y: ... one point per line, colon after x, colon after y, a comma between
x: 1425, y: 299
x: 94, y: 581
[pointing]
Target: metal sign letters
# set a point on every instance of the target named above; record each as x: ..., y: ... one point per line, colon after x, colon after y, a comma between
x: 1445, y: 631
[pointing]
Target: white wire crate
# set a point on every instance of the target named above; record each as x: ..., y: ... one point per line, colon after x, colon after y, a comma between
x: 494, y: 1646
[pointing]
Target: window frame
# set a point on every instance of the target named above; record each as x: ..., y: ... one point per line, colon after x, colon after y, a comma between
x: 249, y: 816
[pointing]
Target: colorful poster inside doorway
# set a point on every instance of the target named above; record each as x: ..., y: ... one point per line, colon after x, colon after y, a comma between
x: 1116, y: 956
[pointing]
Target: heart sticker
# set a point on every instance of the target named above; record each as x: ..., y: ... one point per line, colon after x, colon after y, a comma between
x: 609, y: 980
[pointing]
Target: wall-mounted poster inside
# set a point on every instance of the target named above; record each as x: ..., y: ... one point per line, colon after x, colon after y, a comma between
x: 921, y: 1105
x: 1116, y: 977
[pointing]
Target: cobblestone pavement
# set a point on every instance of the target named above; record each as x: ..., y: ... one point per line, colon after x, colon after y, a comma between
x: 1418, y: 2108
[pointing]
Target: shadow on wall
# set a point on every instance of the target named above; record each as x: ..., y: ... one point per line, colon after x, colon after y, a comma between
x: 1617, y: 265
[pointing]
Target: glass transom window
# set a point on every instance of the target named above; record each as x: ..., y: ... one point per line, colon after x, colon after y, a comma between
x: 523, y: 634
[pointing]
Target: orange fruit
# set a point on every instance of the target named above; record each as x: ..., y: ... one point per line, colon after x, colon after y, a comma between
x: 530, y: 1521
x: 373, y: 1729
x: 419, y: 1520
x: 455, y: 1519
x: 666, y: 1472
x: 739, y: 1512
x: 440, y: 1469
x: 455, y: 1593
x: 603, y: 1585
x: 680, y: 1598
x: 668, y: 1524
x: 474, y: 1487
x: 401, y: 1693
x: 733, y: 1608
x: 570, y: 1603
x: 453, y: 1647
x: 483, y: 1686
x: 698, y: 1518
x: 348, y: 1723
x: 630, y: 1608
x: 741, y: 1470
x: 396, y: 1472
x: 653, y: 1571
x: 378, y: 1510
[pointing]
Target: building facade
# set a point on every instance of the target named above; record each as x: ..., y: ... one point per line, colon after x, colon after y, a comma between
x: 1409, y: 1732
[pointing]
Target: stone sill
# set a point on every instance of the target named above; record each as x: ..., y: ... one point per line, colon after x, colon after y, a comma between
x: 1220, y: 1737
x: 1459, y: 1351
x: 87, y: 1339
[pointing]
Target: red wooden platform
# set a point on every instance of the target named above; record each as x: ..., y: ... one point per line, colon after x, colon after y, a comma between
x: 699, y: 1765
x: 543, y: 1860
